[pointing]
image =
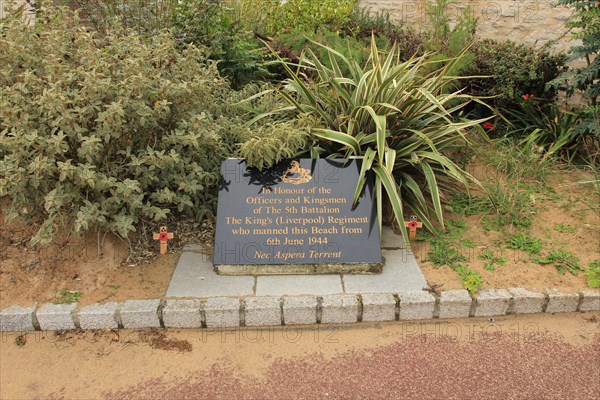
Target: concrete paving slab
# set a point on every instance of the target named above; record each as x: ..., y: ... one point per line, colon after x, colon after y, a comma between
x: 194, y: 277
x: 292, y: 285
x: 391, y: 240
x: 401, y: 273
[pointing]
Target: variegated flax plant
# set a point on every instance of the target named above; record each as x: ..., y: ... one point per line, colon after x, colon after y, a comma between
x: 395, y: 114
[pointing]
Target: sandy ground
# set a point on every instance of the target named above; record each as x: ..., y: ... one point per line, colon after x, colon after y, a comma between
x: 569, y: 206
x: 524, y: 357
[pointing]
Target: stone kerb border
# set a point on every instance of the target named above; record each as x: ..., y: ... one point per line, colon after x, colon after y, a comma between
x: 220, y: 312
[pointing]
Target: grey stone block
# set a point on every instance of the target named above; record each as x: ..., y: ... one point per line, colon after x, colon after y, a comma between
x: 54, y: 317
x: 525, y: 301
x: 300, y: 310
x: 99, y: 316
x: 492, y: 302
x: 339, y: 309
x: 262, y: 311
x: 182, y: 314
x: 378, y: 307
x: 17, y: 319
x: 590, y: 300
x: 416, y: 305
x: 137, y: 314
x: 455, y: 304
x: 561, y: 302
x: 222, y: 312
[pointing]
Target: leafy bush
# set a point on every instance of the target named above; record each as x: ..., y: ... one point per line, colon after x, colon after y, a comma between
x: 309, y: 15
x: 450, y: 39
x: 242, y: 57
x: 107, y: 132
x: 513, y: 70
x: 542, y: 124
x: 398, y: 119
x: 363, y: 23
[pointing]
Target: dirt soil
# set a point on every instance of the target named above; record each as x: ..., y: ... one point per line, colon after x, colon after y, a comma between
x: 33, y: 275
x: 38, y: 275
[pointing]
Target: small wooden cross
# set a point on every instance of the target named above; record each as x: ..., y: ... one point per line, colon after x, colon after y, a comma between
x: 412, y: 225
x: 163, y: 236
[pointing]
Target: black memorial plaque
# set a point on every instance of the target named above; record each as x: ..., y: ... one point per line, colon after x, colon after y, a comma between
x: 298, y: 212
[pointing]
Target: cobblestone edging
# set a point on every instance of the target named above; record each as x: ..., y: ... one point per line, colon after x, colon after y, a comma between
x: 218, y: 312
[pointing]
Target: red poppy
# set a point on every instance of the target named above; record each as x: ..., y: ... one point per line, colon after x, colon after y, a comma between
x: 487, y: 126
x: 527, y: 96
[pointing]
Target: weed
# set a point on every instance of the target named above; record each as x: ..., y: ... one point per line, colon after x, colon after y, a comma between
x: 514, y: 205
x: 492, y: 260
x: 66, y: 296
x: 564, y: 228
x: 456, y: 225
x: 464, y: 204
x: 494, y: 223
x: 444, y: 253
x: 514, y: 161
x: 564, y: 261
x: 467, y: 243
x: 593, y: 274
x: 470, y: 279
x: 526, y: 243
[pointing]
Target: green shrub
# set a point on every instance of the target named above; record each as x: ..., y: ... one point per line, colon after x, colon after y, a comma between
x: 363, y: 23
x: 513, y: 70
x: 309, y: 15
x: 397, y: 118
x: 107, y: 132
x: 242, y: 57
x: 585, y: 23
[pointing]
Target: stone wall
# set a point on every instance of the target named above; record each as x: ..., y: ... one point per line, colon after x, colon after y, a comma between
x: 533, y: 22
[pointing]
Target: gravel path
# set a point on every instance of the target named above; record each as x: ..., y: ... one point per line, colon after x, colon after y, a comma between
x: 497, y: 366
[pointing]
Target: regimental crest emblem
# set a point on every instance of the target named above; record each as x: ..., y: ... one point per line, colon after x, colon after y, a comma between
x: 296, y: 175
